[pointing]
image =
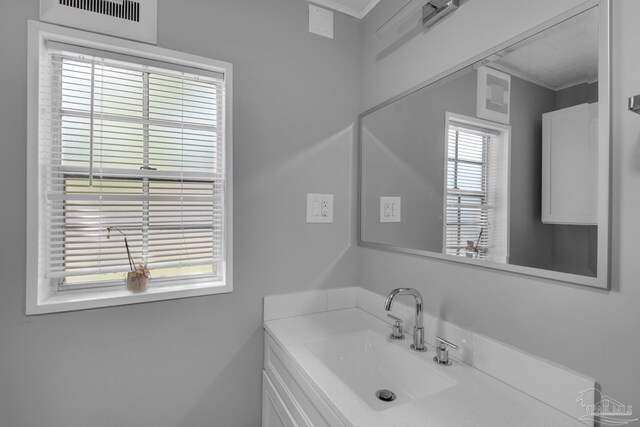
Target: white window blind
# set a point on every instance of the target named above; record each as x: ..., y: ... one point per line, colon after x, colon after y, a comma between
x: 470, y: 184
x: 136, y: 145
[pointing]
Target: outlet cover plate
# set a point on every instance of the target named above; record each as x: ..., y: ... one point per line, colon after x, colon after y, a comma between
x: 319, y: 208
x: 390, y: 209
x: 320, y: 21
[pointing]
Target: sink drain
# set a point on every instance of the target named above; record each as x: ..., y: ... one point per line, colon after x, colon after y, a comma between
x: 386, y: 395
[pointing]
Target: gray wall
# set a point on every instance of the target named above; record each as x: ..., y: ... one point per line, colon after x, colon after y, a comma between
x: 565, y: 248
x: 575, y: 247
x: 572, y: 325
x: 404, y: 149
x: 530, y: 241
x: 192, y: 362
x: 576, y: 95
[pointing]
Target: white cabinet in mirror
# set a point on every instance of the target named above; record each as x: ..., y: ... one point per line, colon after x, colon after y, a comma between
x: 514, y: 192
x: 570, y: 165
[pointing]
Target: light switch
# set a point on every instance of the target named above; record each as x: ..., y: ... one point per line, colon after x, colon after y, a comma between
x: 390, y: 209
x: 319, y: 208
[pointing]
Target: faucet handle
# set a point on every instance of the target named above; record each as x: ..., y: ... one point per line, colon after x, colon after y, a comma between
x: 394, y: 318
x: 397, y: 333
x: 444, y: 343
x: 442, y: 351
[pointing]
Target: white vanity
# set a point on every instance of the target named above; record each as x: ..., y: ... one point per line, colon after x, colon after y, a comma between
x: 324, y: 369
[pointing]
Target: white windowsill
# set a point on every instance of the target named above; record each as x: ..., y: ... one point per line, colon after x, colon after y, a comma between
x: 83, y: 301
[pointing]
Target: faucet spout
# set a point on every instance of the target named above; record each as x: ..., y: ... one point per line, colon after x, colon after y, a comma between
x: 418, y: 329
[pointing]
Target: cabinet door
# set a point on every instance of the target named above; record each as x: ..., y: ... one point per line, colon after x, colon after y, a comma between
x: 274, y: 413
x: 570, y: 165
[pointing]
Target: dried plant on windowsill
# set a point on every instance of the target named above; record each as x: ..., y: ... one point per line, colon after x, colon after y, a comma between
x: 138, y: 277
x: 474, y: 250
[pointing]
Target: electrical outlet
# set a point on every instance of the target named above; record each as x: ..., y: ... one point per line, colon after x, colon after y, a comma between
x: 319, y: 208
x: 390, y: 209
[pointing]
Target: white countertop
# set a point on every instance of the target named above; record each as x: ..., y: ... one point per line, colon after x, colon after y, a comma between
x: 476, y: 399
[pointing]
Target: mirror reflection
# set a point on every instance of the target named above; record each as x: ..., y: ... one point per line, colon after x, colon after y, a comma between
x: 496, y: 162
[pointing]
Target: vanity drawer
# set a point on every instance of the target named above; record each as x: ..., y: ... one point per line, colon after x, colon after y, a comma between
x: 303, y: 402
x: 274, y: 412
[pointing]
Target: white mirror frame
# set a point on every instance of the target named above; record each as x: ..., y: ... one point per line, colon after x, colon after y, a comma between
x: 602, y: 280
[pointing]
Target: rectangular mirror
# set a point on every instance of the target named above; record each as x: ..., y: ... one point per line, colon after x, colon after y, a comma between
x: 503, y: 161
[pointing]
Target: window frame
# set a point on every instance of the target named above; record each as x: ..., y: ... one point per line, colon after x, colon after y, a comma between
x: 482, y: 196
x: 41, y: 296
x: 147, y: 177
x: 501, y: 155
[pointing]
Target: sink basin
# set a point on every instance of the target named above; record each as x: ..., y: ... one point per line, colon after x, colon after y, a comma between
x: 367, y: 362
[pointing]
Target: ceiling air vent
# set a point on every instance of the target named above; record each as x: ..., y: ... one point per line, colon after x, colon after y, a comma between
x: 129, y: 10
x: 130, y: 19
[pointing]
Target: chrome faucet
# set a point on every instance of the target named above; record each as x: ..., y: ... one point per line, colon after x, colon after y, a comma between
x: 418, y: 329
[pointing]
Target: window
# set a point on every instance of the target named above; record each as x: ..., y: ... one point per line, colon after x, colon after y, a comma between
x: 476, y: 188
x: 129, y: 143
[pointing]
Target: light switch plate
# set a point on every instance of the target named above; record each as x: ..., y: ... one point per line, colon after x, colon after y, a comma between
x: 320, y: 21
x: 319, y: 208
x: 390, y: 209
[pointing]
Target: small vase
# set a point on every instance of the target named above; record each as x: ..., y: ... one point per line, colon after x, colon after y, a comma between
x: 136, y: 282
